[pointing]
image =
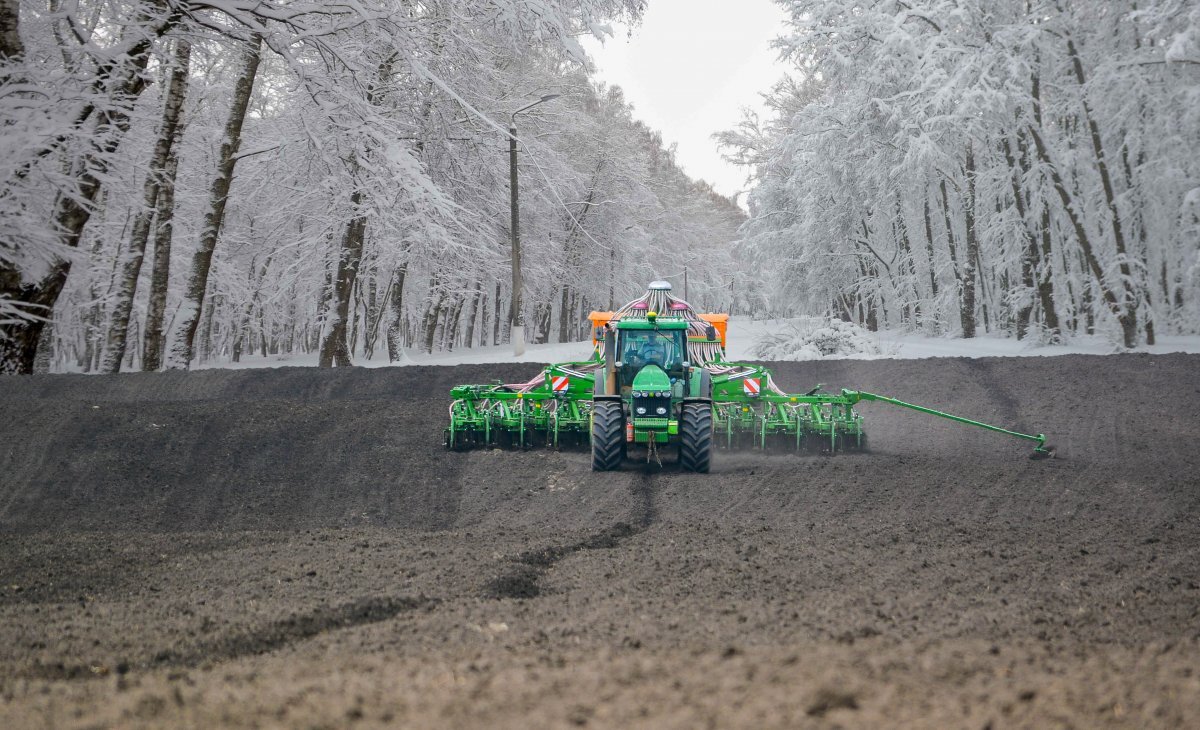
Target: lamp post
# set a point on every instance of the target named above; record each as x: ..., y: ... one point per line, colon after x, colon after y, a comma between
x: 516, y: 318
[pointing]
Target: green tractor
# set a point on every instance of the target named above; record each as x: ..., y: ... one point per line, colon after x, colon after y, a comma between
x: 648, y: 393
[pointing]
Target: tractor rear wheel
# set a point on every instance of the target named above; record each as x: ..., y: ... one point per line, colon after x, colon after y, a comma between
x: 608, y: 436
x: 696, y: 437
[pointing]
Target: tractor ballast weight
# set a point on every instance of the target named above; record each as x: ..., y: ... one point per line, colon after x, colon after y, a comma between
x: 658, y: 380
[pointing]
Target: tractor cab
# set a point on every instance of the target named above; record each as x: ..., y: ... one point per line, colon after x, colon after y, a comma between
x: 650, y: 341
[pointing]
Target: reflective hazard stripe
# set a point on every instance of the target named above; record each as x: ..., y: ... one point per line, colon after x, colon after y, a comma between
x: 560, y: 383
x: 752, y: 386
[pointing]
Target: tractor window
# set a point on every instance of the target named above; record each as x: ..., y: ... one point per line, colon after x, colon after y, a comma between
x: 642, y: 347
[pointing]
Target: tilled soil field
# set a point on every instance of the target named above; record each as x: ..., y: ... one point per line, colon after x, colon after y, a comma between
x: 295, y: 548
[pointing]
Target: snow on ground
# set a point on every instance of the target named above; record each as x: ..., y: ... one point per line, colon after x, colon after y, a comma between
x: 556, y: 352
x: 744, y: 333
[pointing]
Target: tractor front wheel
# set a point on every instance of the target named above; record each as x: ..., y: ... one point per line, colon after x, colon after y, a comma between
x: 608, y: 436
x: 696, y: 437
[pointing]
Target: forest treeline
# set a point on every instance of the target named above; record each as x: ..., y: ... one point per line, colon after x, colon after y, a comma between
x: 186, y: 181
x: 956, y: 166
x: 193, y: 180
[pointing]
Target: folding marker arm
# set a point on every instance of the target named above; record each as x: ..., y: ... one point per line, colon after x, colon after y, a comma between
x: 1039, y: 450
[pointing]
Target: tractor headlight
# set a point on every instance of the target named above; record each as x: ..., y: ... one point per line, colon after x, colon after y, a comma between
x: 662, y: 411
x: 641, y: 410
x: 637, y: 394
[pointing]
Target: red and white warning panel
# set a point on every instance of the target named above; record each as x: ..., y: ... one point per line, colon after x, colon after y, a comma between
x: 560, y: 383
x: 752, y: 386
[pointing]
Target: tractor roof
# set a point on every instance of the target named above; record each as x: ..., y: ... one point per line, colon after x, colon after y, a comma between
x: 660, y: 323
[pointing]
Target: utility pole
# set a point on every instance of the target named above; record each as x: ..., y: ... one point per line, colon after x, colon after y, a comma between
x: 516, y: 316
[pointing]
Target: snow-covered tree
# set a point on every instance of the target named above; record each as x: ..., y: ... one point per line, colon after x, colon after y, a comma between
x: 1018, y: 166
x: 320, y: 177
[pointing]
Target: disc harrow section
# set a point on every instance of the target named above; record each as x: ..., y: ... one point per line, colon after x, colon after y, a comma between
x: 751, y: 412
x: 553, y: 409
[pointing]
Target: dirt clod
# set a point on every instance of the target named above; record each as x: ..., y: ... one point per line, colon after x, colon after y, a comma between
x: 831, y: 699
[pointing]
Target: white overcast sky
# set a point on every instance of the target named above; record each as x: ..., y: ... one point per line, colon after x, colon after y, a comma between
x: 689, y: 68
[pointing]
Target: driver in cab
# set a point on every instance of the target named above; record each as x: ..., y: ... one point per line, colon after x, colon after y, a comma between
x: 653, y: 351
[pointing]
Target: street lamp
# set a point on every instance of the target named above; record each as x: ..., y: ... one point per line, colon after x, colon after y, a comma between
x: 517, y: 319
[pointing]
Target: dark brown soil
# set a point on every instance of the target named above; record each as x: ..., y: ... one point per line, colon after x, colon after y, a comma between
x: 295, y: 548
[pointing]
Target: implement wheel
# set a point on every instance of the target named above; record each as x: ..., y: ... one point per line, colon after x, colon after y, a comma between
x: 696, y: 437
x: 608, y: 436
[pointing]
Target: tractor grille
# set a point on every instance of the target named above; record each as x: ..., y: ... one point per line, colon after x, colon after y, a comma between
x: 652, y: 405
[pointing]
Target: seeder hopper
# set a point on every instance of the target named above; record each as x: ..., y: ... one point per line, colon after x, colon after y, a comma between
x: 658, y: 380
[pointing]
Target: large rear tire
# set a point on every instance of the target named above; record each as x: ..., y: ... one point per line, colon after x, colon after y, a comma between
x: 608, y: 436
x: 696, y: 437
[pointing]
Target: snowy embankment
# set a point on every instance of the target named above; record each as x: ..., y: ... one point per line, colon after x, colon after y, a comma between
x: 746, y: 336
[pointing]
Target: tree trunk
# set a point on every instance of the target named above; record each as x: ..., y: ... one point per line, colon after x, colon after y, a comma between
x: 169, y: 133
x: 1127, y: 311
x: 469, y: 336
x: 1137, y: 224
x: 396, y: 320
x: 541, y: 321
x: 182, y: 345
x: 314, y: 343
x: 354, y: 311
x: 10, y: 36
x: 453, y: 322
x: 160, y: 276
x: 577, y: 303
x: 1029, y: 250
x: 483, y: 316
x: 429, y: 325
x: 951, y: 245
x: 564, y: 314
x: 932, y: 258
x: 547, y: 318
x: 970, y: 260
x: 442, y: 323
x: 372, y: 313
x: 338, y: 343
x: 242, y: 333
x: 1045, y: 284
x: 911, y: 307
x: 1081, y: 236
x: 496, y: 316
x: 206, y: 333
x: 334, y: 349
x: 92, y: 316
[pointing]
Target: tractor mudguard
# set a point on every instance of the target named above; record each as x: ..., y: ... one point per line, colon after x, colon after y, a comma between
x: 699, y: 387
x: 599, y: 388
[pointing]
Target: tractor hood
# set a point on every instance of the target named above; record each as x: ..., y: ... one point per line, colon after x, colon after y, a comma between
x: 651, y: 378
